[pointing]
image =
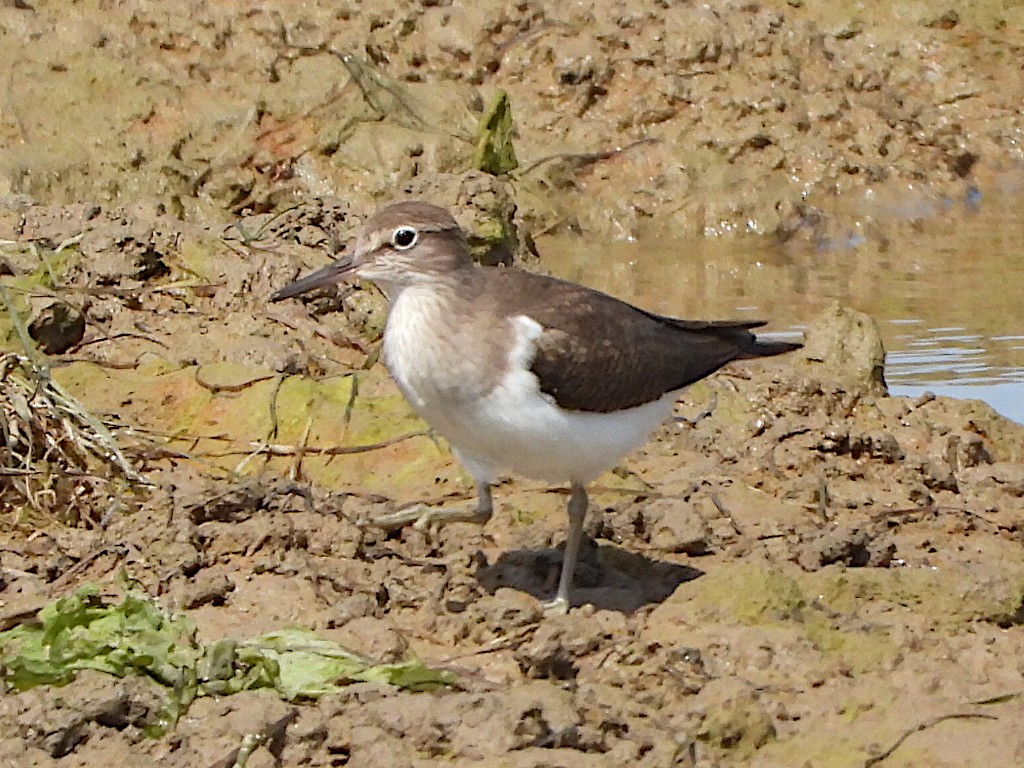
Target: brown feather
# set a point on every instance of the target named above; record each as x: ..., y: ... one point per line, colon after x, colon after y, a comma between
x: 600, y: 354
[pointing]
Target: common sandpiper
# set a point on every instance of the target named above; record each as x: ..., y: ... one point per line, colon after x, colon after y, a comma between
x: 520, y: 371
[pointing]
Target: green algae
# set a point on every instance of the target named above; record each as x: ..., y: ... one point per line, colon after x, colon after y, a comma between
x: 494, y: 152
x: 200, y: 258
x: 278, y: 420
x: 750, y: 593
x: 951, y: 595
x: 860, y: 649
x: 813, y: 747
x: 764, y: 595
x: 759, y: 594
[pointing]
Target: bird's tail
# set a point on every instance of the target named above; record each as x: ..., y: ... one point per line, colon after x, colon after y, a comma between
x: 769, y: 348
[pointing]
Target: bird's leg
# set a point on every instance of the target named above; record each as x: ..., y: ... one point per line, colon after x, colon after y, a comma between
x: 577, y: 512
x: 423, y: 517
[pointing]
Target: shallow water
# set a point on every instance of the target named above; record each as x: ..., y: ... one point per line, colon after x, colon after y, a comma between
x: 947, y: 291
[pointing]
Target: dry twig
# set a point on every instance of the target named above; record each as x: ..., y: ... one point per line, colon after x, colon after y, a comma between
x: 921, y: 727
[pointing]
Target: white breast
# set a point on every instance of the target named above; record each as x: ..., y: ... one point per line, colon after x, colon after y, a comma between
x: 412, y: 348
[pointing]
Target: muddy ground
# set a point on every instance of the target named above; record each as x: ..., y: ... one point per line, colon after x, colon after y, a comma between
x: 799, y: 571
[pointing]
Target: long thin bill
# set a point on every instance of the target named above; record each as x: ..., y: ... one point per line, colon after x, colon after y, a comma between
x: 329, y: 275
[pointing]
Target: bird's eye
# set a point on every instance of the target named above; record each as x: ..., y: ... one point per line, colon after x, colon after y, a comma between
x: 404, y: 238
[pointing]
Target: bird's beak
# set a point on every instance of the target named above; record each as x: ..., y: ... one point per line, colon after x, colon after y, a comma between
x: 332, y: 273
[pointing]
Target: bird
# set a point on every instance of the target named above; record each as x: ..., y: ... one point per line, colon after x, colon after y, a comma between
x: 520, y: 371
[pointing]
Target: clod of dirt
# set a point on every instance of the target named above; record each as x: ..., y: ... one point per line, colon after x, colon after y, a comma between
x: 555, y: 648
x: 207, y: 589
x: 321, y: 223
x: 255, y: 722
x: 876, y: 445
x: 844, y: 345
x: 234, y: 502
x: 374, y: 637
x: 732, y: 717
x: 86, y: 709
x: 850, y: 545
x: 125, y: 246
x: 674, y: 526
x: 485, y: 208
x: 57, y: 327
x: 508, y: 612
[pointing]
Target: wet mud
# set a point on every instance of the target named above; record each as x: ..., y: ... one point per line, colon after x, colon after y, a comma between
x: 799, y: 570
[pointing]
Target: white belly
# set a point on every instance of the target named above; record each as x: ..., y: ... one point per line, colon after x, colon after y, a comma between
x: 520, y: 429
x: 512, y: 426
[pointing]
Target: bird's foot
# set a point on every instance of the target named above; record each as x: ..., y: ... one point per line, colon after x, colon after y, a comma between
x: 422, y: 518
x: 557, y: 607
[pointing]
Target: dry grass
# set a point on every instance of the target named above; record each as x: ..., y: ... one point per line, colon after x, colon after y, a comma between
x: 57, y: 460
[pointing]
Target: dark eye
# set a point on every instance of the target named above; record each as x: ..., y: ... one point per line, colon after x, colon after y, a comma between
x: 404, y: 237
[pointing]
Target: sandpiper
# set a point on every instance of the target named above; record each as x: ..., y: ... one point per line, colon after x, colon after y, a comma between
x: 520, y: 371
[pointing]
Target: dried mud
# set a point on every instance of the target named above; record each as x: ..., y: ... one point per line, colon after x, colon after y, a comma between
x: 798, y: 571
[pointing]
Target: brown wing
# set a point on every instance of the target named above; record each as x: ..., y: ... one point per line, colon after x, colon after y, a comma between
x: 600, y: 354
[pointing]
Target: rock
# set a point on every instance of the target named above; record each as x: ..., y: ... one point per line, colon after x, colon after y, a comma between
x: 966, y: 449
x: 1005, y: 477
x: 938, y: 476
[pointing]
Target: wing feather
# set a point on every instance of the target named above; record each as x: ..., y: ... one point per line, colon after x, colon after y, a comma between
x: 599, y: 354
